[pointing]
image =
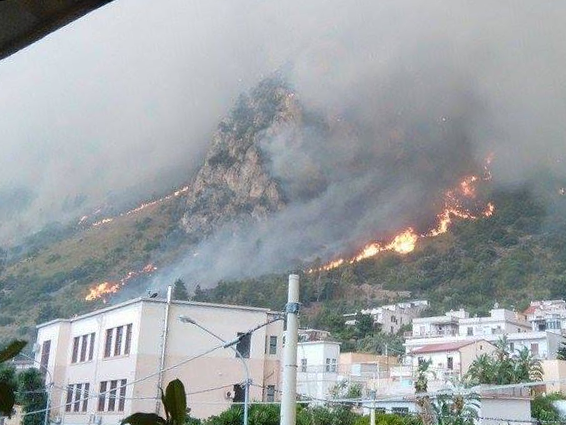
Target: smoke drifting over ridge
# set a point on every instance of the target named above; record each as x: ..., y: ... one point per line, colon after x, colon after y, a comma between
x: 435, y: 83
x: 428, y: 87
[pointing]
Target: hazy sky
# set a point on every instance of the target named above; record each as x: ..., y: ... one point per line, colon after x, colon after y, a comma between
x: 127, y: 97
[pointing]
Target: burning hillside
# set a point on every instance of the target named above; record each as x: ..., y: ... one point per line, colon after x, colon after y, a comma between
x: 460, y: 202
x: 102, y: 290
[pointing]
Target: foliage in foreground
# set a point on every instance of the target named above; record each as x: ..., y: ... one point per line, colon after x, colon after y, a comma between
x: 7, y: 390
x: 543, y: 409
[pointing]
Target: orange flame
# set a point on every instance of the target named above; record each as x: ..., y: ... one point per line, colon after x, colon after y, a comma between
x: 139, y: 208
x: 107, y: 288
x: 406, y: 241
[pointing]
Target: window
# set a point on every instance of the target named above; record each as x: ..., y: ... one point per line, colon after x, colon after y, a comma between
x: 420, y: 360
x: 239, y: 393
x: 128, y: 344
x: 122, y: 397
x: 110, y: 391
x: 91, y: 348
x: 45, y: 349
x: 77, y: 397
x: 470, y: 331
x: 272, y: 345
x: 303, y: 365
x: 83, y: 348
x: 270, y: 395
x: 534, y: 349
x: 112, y: 396
x: 116, y: 344
x: 243, y: 346
x: 108, y: 345
x: 450, y: 363
x: 512, y: 347
x: 75, y: 349
x: 330, y: 365
x: 102, y: 396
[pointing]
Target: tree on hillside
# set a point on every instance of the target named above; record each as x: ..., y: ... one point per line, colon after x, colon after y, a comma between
x: 32, y: 395
x: 180, y: 291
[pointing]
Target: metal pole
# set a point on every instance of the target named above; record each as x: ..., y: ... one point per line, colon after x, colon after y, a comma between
x: 47, y: 405
x: 289, y: 393
x: 239, y: 356
x: 163, y: 349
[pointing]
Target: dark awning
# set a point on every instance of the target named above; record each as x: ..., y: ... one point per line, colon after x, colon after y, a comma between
x: 22, y: 22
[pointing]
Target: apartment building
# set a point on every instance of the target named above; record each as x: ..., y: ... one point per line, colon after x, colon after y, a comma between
x: 317, y: 368
x: 105, y: 364
x: 456, y: 326
x: 452, y: 359
x: 392, y: 317
x: 548, y: 315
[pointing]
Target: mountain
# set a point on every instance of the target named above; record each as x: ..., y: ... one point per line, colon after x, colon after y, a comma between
x: 233, y: 185
x: 322, y: 182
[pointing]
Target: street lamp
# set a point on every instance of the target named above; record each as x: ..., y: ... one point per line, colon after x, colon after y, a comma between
x: 229, y: 344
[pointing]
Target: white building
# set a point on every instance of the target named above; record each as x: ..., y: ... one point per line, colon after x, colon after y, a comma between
x: 456, y: 326
x: 499, y: 407
x: 317, y: 368
x: 450, y: 360
x: 106, y: 364
x: 549, y: 315
x: 391, y: 318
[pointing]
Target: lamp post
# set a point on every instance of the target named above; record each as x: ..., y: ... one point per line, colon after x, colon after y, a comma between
x: 51, y: 382
x: 228, y: 344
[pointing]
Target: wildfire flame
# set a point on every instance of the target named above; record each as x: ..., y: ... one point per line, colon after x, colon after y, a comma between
x: 406, y: 241
x: 106, y: 288
x: 139, y: 208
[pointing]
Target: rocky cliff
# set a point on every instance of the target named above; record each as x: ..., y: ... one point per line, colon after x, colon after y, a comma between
x: 234, y: 185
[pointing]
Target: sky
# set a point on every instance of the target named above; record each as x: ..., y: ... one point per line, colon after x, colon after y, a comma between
x: 122, y: 103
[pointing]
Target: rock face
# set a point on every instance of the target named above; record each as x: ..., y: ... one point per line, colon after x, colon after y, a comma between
x: 234, y: 185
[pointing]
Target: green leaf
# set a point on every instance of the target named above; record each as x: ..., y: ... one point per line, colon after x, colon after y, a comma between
x: 7, y: 399
x: 144, y: 419
x: 176, y: 402
x: 12, y: 350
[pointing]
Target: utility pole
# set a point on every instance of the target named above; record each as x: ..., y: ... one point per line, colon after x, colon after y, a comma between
x: 289, y: 396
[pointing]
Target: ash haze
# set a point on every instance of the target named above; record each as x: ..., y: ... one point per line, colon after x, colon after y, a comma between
x: 124, y: 101
x: 448, y: 82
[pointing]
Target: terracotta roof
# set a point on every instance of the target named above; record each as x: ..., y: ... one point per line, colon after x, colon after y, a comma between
x: 447, y: 346
x: 530, y: 310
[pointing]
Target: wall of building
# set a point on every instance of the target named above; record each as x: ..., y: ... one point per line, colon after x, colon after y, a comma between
x: 220, y: 369
x: 504, y: 410
x: 555, y: 370
x: 317, y: 381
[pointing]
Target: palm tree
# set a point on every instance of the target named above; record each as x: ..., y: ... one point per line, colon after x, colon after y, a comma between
x: 526, y: 367
x: 482, y: 371
x: 456, y: 409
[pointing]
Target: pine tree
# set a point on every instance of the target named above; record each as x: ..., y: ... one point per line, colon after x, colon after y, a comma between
x: 180, y: 291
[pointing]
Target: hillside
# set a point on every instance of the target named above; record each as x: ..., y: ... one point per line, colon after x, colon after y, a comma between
x: 271, y: 158
x: 516, y: 255
x: 52, y: 272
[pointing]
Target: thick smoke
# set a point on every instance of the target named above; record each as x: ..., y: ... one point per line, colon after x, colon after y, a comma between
x: 428, y: 90
x: 419, y: 89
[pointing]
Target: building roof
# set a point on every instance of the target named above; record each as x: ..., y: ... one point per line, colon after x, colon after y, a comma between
x: 156, y: 301
x: 447, y: 346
